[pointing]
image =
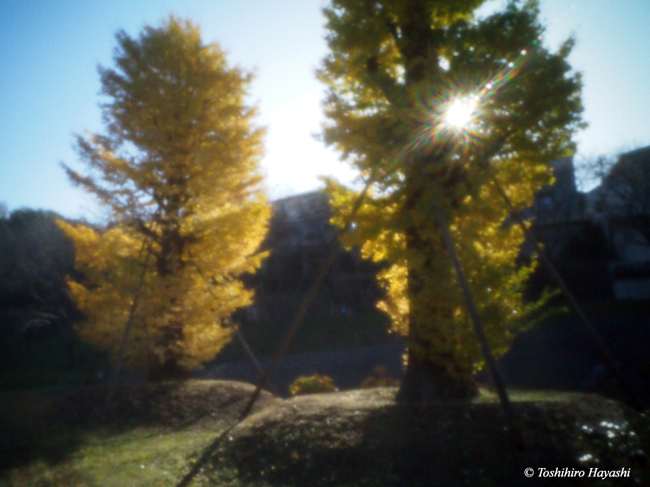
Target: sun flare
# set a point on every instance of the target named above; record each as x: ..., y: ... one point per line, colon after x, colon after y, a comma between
x: 460, y: 111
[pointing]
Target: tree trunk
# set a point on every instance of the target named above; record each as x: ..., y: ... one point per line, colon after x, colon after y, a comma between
x: 167, y: 370
x: 425, y: 382
x: 169, y: 263
x: 428, y: 377
x: 168, y: 366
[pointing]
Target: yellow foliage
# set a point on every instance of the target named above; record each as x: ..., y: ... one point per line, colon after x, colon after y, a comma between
x: 178, y: 172
x: 379, y: 379
x: 386, y: 101
x: 314, y: 384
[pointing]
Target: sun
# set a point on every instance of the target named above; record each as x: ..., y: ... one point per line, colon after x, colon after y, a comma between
x: 459, y: 111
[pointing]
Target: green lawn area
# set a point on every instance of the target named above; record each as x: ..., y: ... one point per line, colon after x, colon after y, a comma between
x: 153, y: 434
x: 141, y: 458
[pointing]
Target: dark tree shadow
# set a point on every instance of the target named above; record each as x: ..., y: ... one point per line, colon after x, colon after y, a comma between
x: 441, y: 445
x: 51, y: 429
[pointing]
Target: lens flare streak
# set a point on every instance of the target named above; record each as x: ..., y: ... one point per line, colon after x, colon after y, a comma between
x: 458, y: 116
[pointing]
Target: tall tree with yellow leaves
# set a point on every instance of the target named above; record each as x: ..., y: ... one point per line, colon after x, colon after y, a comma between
x: 178, y: 172
x: 442, y: 109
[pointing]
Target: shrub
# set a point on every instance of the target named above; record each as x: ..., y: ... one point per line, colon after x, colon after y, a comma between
x: 379, y: 379
x: 312, y: 385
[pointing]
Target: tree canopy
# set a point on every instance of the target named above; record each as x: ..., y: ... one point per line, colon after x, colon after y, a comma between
x: 178, y: 172
x: 442, y: 109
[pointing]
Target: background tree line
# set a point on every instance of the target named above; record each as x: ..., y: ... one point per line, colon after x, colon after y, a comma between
x: 37, y: 314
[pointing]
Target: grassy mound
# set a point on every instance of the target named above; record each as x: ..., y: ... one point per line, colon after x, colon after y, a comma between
x: 175, y: 405
x: 48, y: 426
x: 363, y: 438
x: 153, y: 434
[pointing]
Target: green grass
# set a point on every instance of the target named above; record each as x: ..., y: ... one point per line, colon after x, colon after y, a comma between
x: 150, y: 435
x: 351, y: 438
x: 521, y: 395
x: 146, y: 457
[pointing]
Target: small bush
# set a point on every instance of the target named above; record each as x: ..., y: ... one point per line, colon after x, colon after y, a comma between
x: 379, y: 379
x: 312, y: 385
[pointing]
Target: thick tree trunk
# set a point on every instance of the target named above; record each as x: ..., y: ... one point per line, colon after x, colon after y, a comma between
x: 168, y: 366
x: 425, y: 382
x: 169, y: 263
x: 428, y: 377
x: 167, y: 370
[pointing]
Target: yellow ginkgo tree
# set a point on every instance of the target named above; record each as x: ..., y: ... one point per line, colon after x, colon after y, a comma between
x: 178, y: 173
x: 441, y: 109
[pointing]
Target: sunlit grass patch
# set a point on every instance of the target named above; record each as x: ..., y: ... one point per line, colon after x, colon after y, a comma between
x: 145, y: 457
x: 149, y: 435
x: 523, y: 395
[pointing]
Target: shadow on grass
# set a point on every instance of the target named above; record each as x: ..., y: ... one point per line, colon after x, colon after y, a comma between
x: 38, y: 426
x: 28, y: 433
x: 441, y: 445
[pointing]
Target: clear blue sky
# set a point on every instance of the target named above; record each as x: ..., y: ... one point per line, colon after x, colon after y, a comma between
x: 49, y: 51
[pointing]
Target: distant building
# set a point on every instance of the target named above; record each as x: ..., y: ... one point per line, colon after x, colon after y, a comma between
x: 599, y: 243
x: 601, y: 239
x: 343, y: 312
x: 621, y: 205
x: 300, y: 236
